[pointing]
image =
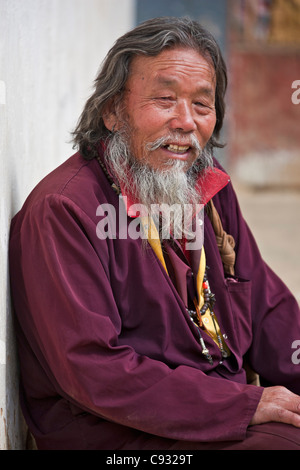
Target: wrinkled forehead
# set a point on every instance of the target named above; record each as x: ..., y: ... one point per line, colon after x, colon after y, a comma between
x: 170, y: 67
x: 171, y: 63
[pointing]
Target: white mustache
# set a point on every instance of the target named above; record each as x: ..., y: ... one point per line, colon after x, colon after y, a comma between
x: 175, y: 138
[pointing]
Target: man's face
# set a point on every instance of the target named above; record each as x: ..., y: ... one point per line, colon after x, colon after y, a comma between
x: 170, y: 95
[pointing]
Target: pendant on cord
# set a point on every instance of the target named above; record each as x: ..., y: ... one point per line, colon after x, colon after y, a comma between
x: 200, y: 317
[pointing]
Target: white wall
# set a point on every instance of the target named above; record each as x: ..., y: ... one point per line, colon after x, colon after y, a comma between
x: 50, y: 51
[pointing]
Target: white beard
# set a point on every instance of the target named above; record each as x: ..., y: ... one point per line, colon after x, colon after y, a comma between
x: 170, y: 186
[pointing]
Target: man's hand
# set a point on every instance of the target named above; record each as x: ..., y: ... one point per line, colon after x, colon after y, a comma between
x: 278, y: 404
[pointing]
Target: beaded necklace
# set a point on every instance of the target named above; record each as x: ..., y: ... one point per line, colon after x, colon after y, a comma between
x: 205, y: 315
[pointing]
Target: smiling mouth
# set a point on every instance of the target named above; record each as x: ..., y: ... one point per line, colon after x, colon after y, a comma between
x: 178, y: 149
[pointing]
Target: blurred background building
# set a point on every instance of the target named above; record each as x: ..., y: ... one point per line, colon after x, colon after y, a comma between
x: 264, y: 62
x: 50, y: 51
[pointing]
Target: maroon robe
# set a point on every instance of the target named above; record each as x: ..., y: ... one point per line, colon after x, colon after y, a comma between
x: 109, y: 358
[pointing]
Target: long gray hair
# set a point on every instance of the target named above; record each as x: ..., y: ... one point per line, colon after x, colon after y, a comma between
x: 149, y: 38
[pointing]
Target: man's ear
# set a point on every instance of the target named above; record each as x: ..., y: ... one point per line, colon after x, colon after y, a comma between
x: 109, y: 115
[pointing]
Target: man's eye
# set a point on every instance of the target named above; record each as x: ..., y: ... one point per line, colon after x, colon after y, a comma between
x: 164, y: 100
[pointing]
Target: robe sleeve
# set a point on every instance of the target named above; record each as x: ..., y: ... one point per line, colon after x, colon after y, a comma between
x: 275, y: 311
x: 72, y: 319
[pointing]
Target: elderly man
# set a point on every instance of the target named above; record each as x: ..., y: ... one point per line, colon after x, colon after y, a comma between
x: 133, y: 333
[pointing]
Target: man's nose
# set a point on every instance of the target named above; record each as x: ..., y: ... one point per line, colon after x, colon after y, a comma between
x: 183, y: 118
